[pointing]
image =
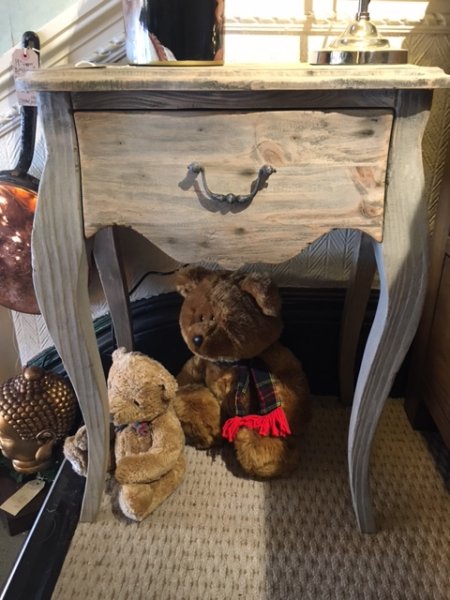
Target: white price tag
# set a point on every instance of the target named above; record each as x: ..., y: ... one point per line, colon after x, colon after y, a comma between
x: 23, y: 60
x: 22, y: 497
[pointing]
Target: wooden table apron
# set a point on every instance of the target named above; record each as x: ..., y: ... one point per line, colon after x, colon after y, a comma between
x: 397, y: 231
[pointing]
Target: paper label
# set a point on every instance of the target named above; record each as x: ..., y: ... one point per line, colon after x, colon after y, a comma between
x: 23, y: 60
x: 22, y: 497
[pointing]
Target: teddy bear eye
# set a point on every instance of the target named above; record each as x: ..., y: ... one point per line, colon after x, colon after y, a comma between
x: 202, y: 318
x: 136, y: 403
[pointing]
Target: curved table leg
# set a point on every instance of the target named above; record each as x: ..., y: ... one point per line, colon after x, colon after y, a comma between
x: 356, y: 298
x: 402, y: 264
x: 107, y: 257
x: 60, y: 274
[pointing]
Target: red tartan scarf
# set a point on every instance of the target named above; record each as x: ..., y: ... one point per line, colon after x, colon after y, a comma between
x: 270, y: 419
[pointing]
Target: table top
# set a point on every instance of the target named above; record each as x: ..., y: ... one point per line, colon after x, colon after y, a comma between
x: 232, y: 78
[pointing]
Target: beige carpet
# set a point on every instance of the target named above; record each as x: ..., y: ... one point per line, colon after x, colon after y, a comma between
x: 221, y: 537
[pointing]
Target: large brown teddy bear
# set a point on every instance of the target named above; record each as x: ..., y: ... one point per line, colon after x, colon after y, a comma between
x: 148, y: 456
x: 241, y: 384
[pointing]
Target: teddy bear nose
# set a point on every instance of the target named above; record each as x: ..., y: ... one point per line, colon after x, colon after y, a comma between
x: 197, y: 339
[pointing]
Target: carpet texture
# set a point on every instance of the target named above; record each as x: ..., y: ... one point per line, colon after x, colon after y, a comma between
x: 223, y: 537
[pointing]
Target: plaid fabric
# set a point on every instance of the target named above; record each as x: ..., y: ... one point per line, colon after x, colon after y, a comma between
x: 270, y: 419
x: 255, y: 372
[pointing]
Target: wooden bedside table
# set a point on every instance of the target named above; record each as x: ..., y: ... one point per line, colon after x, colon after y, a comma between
x: 345, y: 144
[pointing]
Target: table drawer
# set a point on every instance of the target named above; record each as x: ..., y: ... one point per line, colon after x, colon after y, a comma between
x: 330, y: 172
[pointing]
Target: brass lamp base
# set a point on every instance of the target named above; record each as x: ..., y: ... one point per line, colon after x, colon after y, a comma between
x: 385, y: 56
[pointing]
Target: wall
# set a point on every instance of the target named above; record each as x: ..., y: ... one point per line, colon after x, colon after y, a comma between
x: 21, y: 15
x: 256, y: 31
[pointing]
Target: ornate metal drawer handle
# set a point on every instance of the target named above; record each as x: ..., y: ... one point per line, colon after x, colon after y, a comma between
x: 263, y: 175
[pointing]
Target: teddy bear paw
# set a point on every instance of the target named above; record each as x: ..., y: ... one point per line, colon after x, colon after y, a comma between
x: 75, y: 450
x: 199, y: 413
x: 265, y: 456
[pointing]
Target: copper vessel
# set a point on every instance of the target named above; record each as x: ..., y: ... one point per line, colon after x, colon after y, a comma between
x: 18, y: 198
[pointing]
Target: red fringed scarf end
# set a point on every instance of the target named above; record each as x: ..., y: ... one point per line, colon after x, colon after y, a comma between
x: 274, y: 424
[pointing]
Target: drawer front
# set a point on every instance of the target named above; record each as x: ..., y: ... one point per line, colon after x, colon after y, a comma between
x: 330, y: 173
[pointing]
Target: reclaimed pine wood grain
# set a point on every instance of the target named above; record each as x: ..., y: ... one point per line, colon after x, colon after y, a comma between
x: 330, y: 172
x: 111, y: 270
x: 60, y: 275
x: 233, y: 77
x: 233, y: 99
x: 356, y: 299
x: 402, y: 261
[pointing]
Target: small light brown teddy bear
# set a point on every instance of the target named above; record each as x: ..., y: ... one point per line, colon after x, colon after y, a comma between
x: 148, y: 458
x: 242, y: 383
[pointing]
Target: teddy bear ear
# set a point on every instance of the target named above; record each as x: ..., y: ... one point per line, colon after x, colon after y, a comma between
x: 118, y: 353
x: 189, y: 277
x: 170, y: 384
x: 264, y: 291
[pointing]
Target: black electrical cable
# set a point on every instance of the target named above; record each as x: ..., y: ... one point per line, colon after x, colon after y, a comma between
x: 145, y: 275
